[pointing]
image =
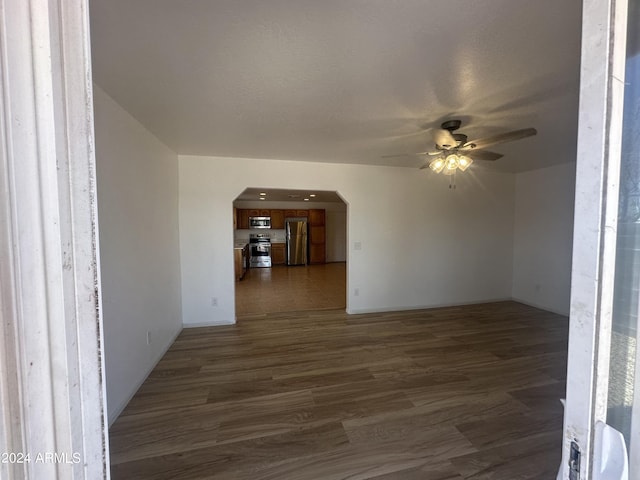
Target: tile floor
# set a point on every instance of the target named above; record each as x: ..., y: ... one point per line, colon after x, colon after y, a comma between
x: 287, y: 289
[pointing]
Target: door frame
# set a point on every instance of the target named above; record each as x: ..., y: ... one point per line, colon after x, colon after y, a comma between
x: 52, y: 393
x: 51, y: 347
x: 595, y: 225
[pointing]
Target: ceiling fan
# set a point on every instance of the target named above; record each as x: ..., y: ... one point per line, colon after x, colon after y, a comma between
x: 453, y: 151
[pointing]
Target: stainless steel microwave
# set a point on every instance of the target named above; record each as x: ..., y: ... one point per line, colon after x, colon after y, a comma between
x: 259, y: 222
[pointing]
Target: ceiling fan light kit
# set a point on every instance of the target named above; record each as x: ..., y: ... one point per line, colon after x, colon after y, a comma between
x: 437, y: 165
x: 453, y: 151
x: 450, y: 164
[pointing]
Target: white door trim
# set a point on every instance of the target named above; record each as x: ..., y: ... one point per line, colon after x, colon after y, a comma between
x: 51, y: 382
x: 595, y: 224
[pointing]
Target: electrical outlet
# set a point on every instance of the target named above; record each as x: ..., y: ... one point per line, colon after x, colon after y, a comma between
x: 356, y: 292
x: 357, y: 245
x: 214, y: 302
x: 148, y: 337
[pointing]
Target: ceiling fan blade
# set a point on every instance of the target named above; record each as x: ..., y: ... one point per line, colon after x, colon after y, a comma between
x: 405, y: 154
x: 501, y: 138
x: 482, y: 155
x: 443, y: 138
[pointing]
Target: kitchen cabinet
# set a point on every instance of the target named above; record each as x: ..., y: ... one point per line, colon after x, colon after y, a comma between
x: 240, y: 259
x: 317, y: 236
x: 278, y: 256
x: 277, y: 219
x: 317, y: 244
x: 316, y: 217
x: 317, y: 254
x: 255, y: 212
x: 296, y: 213
x: 242, y: 218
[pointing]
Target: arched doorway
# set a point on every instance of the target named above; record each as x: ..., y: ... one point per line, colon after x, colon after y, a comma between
x: 290, y: 251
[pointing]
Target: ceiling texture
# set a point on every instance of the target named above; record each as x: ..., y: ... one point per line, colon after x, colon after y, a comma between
x: 343, y: 81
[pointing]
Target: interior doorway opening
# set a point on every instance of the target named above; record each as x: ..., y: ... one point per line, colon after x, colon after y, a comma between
x: 290, y: 251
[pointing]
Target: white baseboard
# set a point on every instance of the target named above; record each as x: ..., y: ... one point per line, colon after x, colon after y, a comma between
x: 401, y: 308
x: 209, y: 324
x: 541, y: 307
x: 113, y: 415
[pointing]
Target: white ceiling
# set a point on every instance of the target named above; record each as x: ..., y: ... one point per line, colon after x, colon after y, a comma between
x: 343, y: 80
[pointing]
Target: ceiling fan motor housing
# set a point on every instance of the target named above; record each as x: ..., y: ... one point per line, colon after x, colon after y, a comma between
x: 461, y: 139
x: 451, y: 125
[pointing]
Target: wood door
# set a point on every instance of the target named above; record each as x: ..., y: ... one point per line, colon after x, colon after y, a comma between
x: 317, y: 236
x: 265, y: 213
x: 277, y: 219
x: 254, y: 212
x: 278, y: 256
x: 238, y: 261
x: 289, y: 213
x: 243, y: 219
x: 317, y: 244
x: 302, y: 213
x: 316, y: 217
x: 317, y: 254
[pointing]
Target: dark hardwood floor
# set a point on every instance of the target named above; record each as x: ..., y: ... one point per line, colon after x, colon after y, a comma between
x: 452, y: 393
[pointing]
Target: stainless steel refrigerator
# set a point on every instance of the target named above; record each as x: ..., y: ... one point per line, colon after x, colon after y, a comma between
x: 296, y: 243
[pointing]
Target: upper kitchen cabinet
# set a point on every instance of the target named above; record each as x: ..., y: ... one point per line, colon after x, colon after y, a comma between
x: 254, y: 212
x: 316, y: 217
x: 242, y: 218
x: 277, y: 219
x: 296, y: 213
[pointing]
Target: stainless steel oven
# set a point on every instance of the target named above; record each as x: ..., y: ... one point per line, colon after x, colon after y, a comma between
x: 259, y: 222
x: 260, y: 246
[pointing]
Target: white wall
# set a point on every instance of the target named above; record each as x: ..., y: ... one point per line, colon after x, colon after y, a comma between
x: 139, y: 248
x: 422, y: 244
x: 543, y: 235
x: 336, y: 232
